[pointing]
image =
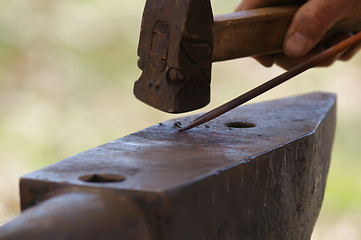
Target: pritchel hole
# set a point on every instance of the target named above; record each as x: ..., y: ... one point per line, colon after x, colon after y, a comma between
x: 242, y: 124
x: 102, y: 178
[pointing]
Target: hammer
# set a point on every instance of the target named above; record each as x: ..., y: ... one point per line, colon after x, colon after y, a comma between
x: 179, y: 40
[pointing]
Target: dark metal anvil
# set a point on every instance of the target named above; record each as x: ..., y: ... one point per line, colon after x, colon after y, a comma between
x: 258, y: 172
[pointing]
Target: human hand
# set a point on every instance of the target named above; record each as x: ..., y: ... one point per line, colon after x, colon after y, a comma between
x: 308, y: 27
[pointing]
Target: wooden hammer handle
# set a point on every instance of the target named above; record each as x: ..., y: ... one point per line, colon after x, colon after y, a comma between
x: 260, y: 31
x: 310, y: 63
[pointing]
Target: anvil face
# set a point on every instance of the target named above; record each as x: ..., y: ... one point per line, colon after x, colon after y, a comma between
x: 159, y: 159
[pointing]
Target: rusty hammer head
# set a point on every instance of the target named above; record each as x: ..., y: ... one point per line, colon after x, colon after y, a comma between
x: 175, y: 55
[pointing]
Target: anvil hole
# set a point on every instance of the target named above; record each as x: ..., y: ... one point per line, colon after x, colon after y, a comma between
x: 242, y: 124
x: 102, y: 178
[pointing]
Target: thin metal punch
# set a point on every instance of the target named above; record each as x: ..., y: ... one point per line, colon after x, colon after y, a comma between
x: 310, y: 63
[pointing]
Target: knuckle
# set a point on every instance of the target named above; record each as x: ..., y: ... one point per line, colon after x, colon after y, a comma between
x: 311, y: 22
x: 315, y: 18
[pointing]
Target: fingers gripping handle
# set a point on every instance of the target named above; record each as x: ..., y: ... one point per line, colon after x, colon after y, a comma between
x: 261, y: 31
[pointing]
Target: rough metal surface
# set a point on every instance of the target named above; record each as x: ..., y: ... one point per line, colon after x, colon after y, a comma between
x: 175, y: 55
x: 213, y: 182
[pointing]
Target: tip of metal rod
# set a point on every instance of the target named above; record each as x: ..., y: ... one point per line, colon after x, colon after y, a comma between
x: 178, y: 126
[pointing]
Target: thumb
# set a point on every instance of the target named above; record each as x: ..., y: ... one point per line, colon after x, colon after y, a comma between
x: 310, y: 24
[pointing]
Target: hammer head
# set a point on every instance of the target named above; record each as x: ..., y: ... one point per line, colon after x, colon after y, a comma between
x: 175, y: 55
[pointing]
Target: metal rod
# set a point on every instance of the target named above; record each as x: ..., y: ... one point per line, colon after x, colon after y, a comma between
x: 312, y: 62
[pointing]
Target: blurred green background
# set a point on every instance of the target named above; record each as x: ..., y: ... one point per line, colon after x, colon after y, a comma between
x: 66, y: 74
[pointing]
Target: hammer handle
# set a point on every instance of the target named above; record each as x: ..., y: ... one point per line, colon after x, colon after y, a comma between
x: 260, y: 31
